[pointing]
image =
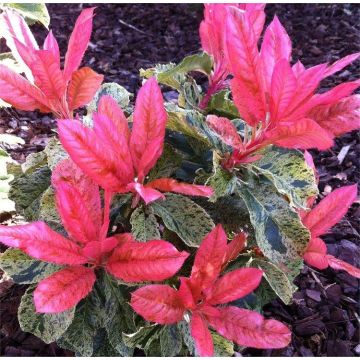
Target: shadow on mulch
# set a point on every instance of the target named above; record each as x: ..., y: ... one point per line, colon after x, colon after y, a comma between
x: 129, y: 37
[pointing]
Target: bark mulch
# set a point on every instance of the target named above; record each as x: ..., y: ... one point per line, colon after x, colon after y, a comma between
x: 126, y: 37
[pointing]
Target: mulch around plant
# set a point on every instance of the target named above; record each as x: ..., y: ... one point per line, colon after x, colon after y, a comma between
x: 127, y: 37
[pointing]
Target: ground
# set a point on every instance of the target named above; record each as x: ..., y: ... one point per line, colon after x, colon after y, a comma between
x: 128, y: 37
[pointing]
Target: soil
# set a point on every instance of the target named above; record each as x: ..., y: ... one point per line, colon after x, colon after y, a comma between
x: 128, y: 37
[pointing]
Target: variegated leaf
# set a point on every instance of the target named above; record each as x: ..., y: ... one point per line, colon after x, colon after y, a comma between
x: 276, y: 278
x: 48, y: 327
x: 183, y: 216
x: 279, y: 232
x: 23, y: 269
x: 144, y: 225
x: 288, y: 170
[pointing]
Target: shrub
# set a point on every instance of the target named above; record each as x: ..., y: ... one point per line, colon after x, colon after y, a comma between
x: 122, y: 178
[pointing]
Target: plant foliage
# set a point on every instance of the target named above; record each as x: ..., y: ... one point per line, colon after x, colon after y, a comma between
x: 167, y: 226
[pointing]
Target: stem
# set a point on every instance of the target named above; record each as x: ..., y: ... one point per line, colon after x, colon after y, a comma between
x: 135, y: 201
x: 107, y: 202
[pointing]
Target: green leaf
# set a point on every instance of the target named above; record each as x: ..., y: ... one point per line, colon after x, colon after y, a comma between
x: 287, y: 169
x: 293, y: 269
x: 153, y: 346
x: 174, y: 75
x: 27, y: 189
x: 167, y: 165
x: 278, y: 229
x: 121, y: 209
x: 48, y: 327
x: 36, y: 12
x: 89, y: 316
x: 170, y: 341
x: 116, y: 91
x: 29, y: 182
x: 177, y: 121
x: 6, y: 205
x: 232, y: 213
x: 222, y: 346
x: 55, y: 153
x: 118, y: 315
x: 276, y: 278
x: 23, y: 269
x: 48, y: 211
x: 102, y: 345
x: 263, y: 295
x: 140, y: 337
x: 221, y: 105
x: 144, y: 225
x: 183, y: 216
x: 222, y: 181
x: 33, y: 162
x: 184, y: 329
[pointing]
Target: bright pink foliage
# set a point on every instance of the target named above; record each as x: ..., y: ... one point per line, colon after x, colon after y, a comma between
x: 201, y: 293
x: 48, y: 88
x: 212, y: 32
x: 79, y: 206
x: 119, y: 160
x: 276, y: 99
x: 319, y: 220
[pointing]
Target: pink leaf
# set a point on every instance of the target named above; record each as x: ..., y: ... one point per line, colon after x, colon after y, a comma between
x: 64, y: 289
x: 300, y: 134
x: 95, y: 158
x: 332, y: 96
x: 315, y: 254
x: 20, y: 93
x: 338, y: 264
x: 158, y: 303
x: 66, y: 171
x: 14, y: 28
x: 201, y: 334
x: 109, y: 107
x: 298, y: 68
x: 148, y: 131
x: 330, y: 210
x: 283, y: 88
x: 76, y: 214
x: 82, y: 87
x: 155, y: 260
x: 340, y: 117
x: 52, y: 45
x: 226, y: 130
x: 244, y: 61
x: 148, y: 194
x: 212, y: 30
x: 92, y: 250
x: 108, y: 135
x: 78, y: 42
x: 307, y: 83
x: 209, y: 259
x: 48, y: 76
x: 39, y: 241
x: 276, y: 46
x: 340, y: 64
x: 249, y: 102
x: 248, y: 328
x: 13, y: 236
x: 185, y: 293
x: 171, y: 185
x: 234, y: 285
x: 235, y: 246
x: 109, y: 244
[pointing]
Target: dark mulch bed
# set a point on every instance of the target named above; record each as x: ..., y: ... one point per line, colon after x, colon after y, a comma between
x: 127, y: 37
